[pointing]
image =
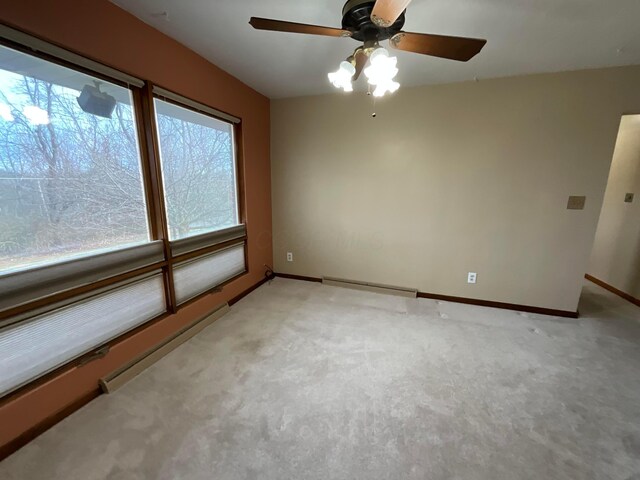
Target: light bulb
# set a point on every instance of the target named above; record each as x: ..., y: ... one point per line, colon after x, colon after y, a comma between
x: 36, y: 115
x: 384, y: 87
x: 343, y: 76
x: 5, y: 113
x: 381, y: 71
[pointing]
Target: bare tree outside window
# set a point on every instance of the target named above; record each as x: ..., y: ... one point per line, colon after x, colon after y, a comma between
x: 199, y: 171
x: 70, y: 181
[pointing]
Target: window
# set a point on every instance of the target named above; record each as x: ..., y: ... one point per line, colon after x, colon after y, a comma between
x: 197, y: 153
x: 80, y: 264
x: 70, y: 171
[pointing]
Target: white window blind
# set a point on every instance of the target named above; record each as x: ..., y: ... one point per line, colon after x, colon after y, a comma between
x: 190, y: 244
x: 33, y: 348
x: 37, y: 283
x: 196, y: 276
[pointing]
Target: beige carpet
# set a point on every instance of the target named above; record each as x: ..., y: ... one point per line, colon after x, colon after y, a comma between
x: 304, y: 381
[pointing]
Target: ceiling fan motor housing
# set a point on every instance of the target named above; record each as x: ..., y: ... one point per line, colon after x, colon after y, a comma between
x: 356, y: 17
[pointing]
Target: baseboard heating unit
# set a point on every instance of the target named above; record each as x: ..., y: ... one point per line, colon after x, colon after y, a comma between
x: 116, y: 379
x: 371, y: 287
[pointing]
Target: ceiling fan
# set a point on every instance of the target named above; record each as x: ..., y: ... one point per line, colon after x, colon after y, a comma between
x: 371, y: 22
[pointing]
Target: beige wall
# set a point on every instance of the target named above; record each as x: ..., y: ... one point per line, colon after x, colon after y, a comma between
x: 616, y: 252
x: 450, y: 179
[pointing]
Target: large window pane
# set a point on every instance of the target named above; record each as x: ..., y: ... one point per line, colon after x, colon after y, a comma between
x: 70, y: 175
x: 199, y: 171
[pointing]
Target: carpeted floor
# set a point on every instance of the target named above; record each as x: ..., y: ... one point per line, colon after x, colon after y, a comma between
x: 304, y: 381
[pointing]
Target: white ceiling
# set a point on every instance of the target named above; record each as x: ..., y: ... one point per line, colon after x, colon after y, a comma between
x: 524, y: 36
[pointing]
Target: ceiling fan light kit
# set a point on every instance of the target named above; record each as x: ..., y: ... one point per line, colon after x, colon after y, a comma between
x: 342, y: 77
x: 381, y: 72
x: 371, y: 22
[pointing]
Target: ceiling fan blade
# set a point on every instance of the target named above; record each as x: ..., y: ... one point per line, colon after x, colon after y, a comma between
x: 454, y: 48
x: 290, y: 27
x: 386, y: 12
x: 361, y: 61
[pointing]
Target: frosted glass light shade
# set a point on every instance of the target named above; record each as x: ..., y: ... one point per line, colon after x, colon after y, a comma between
x: 343, y: 76
x: 381, y: 72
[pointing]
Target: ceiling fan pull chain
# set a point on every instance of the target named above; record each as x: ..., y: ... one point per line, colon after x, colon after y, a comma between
x: 373, y: 102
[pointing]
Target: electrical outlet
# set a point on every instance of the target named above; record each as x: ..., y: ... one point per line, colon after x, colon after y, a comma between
x: 471, y: 278
x: 289, y: 257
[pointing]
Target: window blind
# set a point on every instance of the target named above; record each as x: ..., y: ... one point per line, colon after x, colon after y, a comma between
x: 33, y: 284
x: 190, y: 244
x: 196, y: 276
x: 31, y: 349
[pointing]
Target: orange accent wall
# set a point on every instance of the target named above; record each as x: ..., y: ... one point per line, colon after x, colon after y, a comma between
x: 102, y: 31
